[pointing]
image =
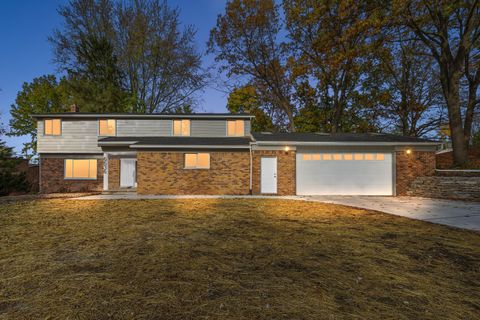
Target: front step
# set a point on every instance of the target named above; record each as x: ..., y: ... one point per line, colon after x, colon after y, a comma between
x: 121, y: 191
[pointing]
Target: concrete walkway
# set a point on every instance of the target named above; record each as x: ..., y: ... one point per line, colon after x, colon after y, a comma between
x: 458, y: 214
x: 453, y: 213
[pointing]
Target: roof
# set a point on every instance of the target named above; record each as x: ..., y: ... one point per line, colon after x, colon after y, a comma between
x: 337, y: 138
x: 141, y: 115
x: 177, y: 142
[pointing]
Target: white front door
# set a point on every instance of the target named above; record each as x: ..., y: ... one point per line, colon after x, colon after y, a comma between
x: 268, y: 176
x: 127, y: 173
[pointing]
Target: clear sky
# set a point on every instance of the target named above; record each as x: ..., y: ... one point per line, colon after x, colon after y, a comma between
x: 25, y: 52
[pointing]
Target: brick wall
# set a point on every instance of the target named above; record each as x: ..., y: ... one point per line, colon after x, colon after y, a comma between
x: 411, y: 166
x: 52, y: 173
x: 164, y: 173
x: 113, y: 174
x: 445, y: 159
x: 286, y: 170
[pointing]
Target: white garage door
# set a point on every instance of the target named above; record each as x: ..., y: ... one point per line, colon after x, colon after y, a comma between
x: 344, y: 173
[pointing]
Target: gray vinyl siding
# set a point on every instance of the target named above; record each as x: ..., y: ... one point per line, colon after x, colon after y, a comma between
x: 247, y: 127
x: 81, y: 136
x: 78, y: 136
x: 144, y: 127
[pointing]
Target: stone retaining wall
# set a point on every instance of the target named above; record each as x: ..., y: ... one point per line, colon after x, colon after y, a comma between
x: 458, y: 188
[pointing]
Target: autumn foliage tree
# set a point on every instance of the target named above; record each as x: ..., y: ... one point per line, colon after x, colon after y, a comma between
x: 246, y: 42
x: 450, y: 30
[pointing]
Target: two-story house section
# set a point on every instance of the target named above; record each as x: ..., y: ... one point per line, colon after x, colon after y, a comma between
x: 169, y: 154
x: 156, y: 153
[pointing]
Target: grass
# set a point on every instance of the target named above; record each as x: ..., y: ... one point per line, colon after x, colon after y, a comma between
x: 230, y: 259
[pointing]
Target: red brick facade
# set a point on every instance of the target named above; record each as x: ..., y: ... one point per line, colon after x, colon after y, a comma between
x: 445, y: 159
x: 229, y: 173
x: 164, y: 173
x: 411, y: 166
x: 286, y: 171
x: 113, y: 174
x: 52, y: 178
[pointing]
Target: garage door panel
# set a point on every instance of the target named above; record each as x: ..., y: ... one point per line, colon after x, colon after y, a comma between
x: 344, y: 177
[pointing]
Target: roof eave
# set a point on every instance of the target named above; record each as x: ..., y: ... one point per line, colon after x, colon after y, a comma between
x: 343, y: 143
x: 139, y: 116
x: 166, y: 146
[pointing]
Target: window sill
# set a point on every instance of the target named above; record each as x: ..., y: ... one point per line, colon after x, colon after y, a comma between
x: 196, y: 168
x: 88, y: 179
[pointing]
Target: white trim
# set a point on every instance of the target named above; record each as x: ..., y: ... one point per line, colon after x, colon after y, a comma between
x: 190, y: 146
x: 339, y: 143
x: 105, y: 171
x: 144, y: 116
x: 457, y: 170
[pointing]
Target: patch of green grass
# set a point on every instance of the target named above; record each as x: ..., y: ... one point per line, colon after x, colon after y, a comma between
x: 230, y: 259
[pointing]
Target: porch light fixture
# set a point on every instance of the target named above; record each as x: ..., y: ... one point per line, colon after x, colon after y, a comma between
x: 287, y: 148
x: 408, y: 151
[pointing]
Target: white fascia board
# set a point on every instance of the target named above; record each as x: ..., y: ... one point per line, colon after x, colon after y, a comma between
x: 188, y: 146
x: 115, y: 143
x: 302, y: 143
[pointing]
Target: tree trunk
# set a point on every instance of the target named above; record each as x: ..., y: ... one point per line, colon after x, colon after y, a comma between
x: 456, y: 127
x: 472, y: 101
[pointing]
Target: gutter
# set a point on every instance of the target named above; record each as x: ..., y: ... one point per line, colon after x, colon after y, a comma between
x: 135, y: 146
x: 302, y: 143
x: 139, y: 116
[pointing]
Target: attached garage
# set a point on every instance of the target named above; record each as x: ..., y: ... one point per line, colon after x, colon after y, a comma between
x: 344, y: 173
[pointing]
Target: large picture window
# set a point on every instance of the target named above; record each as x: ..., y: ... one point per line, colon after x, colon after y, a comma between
x: 81, y: 169
x: 181, y: 127
x: 235, y: 128
x: 107, y: 127
x: 53, y: 127
x: 197, y: 161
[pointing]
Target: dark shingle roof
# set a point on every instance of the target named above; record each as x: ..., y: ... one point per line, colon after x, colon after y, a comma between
x: 180, y: 141
x: 141, y: 115
x: 337, y: 137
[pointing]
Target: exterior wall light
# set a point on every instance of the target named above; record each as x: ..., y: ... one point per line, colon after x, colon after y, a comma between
x: 287, y: 148
x: 408, y: 151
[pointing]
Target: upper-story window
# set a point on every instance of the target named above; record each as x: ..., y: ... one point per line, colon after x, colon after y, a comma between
x: 107, y: 127
x: 235, y: 128
x: 53, y: 127
x: 181, y: 127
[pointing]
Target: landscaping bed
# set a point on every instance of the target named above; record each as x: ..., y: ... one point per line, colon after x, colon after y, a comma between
x: 230, y: 259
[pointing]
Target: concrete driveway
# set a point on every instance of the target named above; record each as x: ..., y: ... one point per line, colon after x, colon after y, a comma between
x: 453, y: 213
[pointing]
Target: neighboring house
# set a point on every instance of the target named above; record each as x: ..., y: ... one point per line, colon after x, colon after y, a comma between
x: 217, y: 154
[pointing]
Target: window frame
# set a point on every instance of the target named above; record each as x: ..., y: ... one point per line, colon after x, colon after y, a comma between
x: 181, y: 127
x: 73, y: 166
x: 45, y: 127
x: 235, y: 122
x: 196, y: 167
x: 107, y: 135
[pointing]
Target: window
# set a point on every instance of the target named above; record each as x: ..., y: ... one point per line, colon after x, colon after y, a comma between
x: 358, y: 156
x: 80, y: 169
x: 307, y: 157
x: 369, y: 156
x: 348, y: 156
x: 107, y: 127
x: 235, y: 128
x: 380, y: 156
x: 181, y: 127
x: 53, y: 127
x: 337, y: 156
x: 327, y: 157
x: 316, y: 157
x: 197, y: 160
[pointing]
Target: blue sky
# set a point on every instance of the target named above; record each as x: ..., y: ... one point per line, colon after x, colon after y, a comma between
x: 25, y: 52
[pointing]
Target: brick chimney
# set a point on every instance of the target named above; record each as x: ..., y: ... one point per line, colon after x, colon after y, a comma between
x: 73, y: 108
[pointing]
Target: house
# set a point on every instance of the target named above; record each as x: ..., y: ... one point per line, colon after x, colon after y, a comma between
x: 212, y: 153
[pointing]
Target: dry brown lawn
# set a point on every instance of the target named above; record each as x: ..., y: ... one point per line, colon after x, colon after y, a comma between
x: 230, y: 259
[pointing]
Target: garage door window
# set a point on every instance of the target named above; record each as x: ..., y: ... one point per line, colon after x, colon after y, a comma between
x: 348, y: 156
x: 380, y: 156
